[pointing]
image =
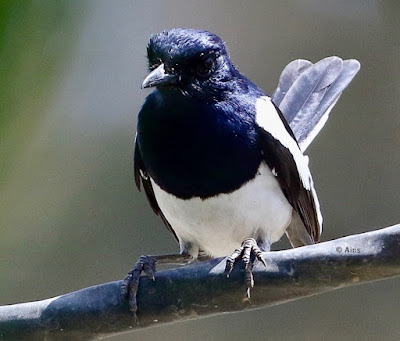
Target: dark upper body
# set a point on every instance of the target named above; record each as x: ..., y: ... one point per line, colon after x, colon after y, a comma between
x: 194, y: 148
x: 197, y: 134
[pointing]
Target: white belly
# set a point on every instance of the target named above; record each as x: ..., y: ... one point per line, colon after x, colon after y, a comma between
x: 219, y: 224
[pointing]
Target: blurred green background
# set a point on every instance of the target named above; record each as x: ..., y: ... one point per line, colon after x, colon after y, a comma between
x: 70, y: 216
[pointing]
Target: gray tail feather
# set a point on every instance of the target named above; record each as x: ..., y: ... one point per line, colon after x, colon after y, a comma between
x: 307, y: 92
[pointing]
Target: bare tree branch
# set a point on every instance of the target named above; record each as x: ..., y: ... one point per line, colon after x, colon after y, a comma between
x: 201, y: 289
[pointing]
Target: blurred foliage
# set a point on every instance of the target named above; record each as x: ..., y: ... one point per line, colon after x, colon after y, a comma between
x: 36, y: 37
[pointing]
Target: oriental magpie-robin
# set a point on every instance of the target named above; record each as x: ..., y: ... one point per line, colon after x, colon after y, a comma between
x: 222, y: 163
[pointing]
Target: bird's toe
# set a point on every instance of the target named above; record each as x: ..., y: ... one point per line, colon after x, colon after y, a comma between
x: 245, y: 252
x: 130, y: 284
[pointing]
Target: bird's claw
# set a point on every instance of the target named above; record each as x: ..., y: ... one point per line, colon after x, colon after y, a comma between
x: 248, y: 247
x: 130, y: 284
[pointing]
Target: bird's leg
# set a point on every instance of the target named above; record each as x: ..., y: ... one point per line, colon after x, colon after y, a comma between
x: 248, y: 248
x: 147, y: 265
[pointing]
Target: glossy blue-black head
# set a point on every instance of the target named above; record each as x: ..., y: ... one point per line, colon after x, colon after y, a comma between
x: 194, y: 62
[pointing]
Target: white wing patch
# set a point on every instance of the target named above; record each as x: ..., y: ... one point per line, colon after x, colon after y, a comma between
x: 268, y: 119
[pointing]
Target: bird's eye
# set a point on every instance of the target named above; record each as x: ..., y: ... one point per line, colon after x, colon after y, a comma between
x: 205, y: 67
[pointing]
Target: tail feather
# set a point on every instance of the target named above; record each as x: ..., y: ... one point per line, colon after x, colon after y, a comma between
x: 307, y: 92
x: 291, y: 72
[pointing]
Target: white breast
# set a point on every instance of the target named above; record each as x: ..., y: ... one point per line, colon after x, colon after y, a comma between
x: 219, y: 224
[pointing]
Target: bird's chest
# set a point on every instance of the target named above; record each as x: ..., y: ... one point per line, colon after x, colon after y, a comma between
x: 195, y: 150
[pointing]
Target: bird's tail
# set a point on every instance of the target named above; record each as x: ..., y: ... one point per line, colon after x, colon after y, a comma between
x: 307, y: 92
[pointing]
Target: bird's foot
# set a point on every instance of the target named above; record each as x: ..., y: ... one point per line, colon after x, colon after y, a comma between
x: 249, y: 247
x: 147, y: 265
x: 130, y: 284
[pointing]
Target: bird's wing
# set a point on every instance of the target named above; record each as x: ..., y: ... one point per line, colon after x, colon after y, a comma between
x: 307, y: 92
x: 142, y: 177
x: 283, y: 156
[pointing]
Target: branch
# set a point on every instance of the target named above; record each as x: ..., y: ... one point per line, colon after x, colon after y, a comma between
x: 201, y: 289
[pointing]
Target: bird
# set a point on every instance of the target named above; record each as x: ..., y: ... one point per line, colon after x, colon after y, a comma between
x: 217, y: 157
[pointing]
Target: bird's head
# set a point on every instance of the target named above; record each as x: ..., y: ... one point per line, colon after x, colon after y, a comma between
x: 194, y: 62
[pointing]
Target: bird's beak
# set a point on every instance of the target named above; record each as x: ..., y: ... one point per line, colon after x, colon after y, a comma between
x: 159, y: 77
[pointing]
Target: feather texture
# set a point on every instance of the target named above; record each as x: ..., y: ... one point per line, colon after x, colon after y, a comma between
x: 307, y: 92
